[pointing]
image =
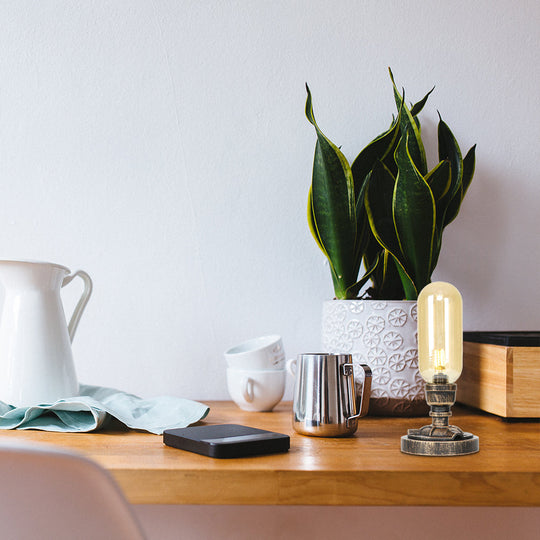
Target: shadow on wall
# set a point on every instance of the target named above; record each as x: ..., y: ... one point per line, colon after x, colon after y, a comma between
x: 478, y: 250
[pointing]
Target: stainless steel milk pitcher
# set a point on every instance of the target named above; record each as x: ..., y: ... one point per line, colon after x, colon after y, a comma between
x: 325, y: 396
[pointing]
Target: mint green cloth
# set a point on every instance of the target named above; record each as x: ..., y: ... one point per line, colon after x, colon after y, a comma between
x: 95, y: 405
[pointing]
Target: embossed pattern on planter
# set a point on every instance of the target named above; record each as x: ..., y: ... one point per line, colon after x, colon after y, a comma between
x: 382, y: 334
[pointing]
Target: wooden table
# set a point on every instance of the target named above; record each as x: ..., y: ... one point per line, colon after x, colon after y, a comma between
x: 367, y: 469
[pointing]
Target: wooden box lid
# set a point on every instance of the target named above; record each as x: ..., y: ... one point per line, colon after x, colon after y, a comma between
x: 506, y: 339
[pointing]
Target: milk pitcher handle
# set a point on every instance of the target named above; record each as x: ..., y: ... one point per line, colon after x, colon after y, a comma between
x: 81, y: 304
x: 366, y: 389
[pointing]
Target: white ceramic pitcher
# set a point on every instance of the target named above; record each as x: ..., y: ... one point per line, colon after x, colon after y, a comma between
x: 36, y: 362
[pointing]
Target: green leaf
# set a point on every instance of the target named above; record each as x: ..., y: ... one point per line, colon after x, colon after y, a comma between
x: 414, y: 216
x: 439, y: 179
x: 333, y: 207
x: 386, y: 279
x: 312, y: 223
x: 353, y: 290
x: 469, y: 162
x: 449, y: 149
x: 446, y: 215
x: 417, y: 107
x: 377, y: 150
x: 363, y: 231
x: 467, y: 173
x: 410, y: 124
x: 411, y: 290
x: 315, y: 232
x: 378, y: 203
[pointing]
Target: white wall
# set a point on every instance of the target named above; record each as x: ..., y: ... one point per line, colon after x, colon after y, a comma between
x: 162, y: 146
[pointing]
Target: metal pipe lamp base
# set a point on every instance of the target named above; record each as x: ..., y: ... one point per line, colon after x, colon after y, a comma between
x: 435, y: 447
x: 439, y: 438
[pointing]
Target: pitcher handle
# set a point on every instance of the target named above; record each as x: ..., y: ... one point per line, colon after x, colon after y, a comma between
x: 83, y: 300
x: 366, y: 389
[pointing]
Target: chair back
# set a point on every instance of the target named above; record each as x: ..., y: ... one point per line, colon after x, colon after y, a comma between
x: 55, y: 494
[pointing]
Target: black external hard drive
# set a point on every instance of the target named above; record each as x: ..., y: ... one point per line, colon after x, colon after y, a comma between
x: 226, y: 440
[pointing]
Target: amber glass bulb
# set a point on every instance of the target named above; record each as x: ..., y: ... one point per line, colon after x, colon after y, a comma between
x: 440, y: 333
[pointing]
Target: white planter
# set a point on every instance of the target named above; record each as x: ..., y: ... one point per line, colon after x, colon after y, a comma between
x: 382, y: 334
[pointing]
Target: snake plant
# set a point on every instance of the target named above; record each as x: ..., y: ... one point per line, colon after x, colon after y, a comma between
x: 386, y: 209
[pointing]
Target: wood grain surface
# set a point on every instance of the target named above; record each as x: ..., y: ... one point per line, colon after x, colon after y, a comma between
x: 366, y: 469
x: 501, y: 380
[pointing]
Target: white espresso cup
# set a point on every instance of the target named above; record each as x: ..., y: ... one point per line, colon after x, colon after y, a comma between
x: 265, y: 353
x: 256, y: 390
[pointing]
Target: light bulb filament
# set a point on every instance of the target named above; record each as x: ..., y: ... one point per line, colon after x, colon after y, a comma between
x: 438, y: 360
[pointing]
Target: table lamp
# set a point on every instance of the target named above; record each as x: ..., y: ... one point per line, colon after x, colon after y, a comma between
x: 440, y: 360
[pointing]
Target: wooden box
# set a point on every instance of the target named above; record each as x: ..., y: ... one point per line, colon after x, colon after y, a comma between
x: 501, y: 373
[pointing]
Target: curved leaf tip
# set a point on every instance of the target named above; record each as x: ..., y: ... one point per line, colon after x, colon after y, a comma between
x: 309, y: 107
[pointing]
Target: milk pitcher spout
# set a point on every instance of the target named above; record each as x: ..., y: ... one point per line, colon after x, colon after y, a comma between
x: 36, y: 361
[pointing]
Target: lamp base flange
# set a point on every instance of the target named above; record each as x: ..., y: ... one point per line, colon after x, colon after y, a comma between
x: 468, y: 445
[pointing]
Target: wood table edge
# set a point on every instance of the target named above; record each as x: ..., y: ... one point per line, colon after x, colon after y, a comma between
x: 322, y: 488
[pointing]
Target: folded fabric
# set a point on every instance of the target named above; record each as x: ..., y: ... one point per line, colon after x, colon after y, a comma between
x: 95, y: 405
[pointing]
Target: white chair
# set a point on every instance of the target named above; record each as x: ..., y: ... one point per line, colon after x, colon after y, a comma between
x: 52, y: 494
